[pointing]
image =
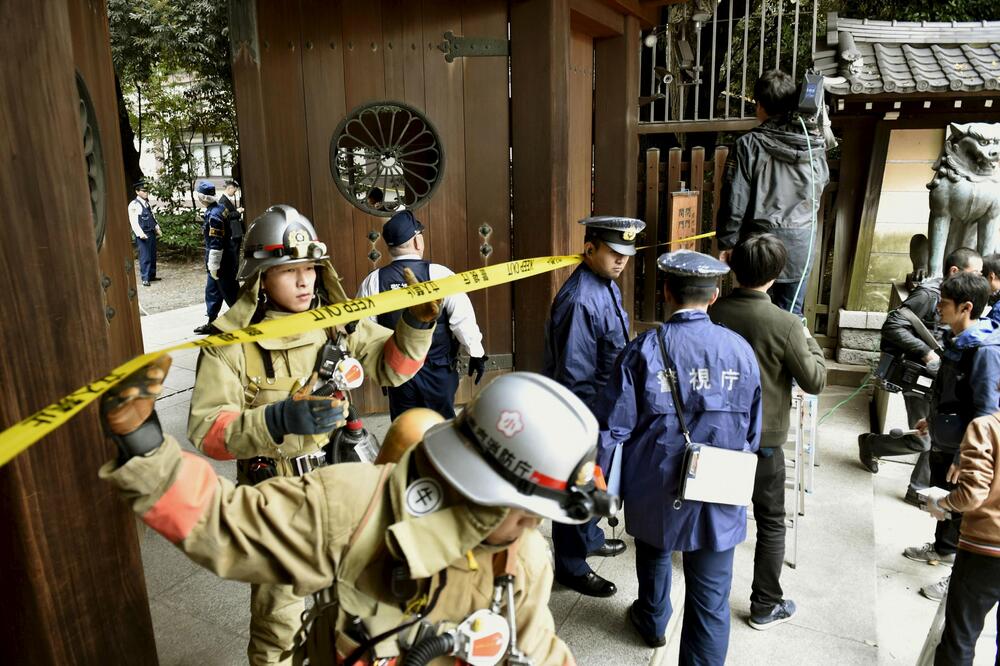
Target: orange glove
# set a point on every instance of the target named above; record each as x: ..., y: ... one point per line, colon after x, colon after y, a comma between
x: 425, y: 312
x: 129, y: 404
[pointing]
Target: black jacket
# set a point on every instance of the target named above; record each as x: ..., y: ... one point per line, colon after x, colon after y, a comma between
x: 898, y: 336
x: 767, y: 186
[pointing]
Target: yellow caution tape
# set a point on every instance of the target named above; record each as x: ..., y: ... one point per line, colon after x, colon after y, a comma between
x: 22, y: 435
x: 679, y: 240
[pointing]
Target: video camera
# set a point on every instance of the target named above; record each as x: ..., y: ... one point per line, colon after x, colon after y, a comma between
x: 812, y: 108
x: 899, y: 375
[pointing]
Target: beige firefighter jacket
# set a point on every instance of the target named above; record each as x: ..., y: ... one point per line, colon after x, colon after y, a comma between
x: 227, y: 407
x: 296, y: 531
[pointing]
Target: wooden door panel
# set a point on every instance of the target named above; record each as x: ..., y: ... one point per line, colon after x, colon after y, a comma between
x: 325, y: 106
x: 336, y: 56
x: 581, y: 114
x: 487, y: 170
x: 92, y: 54
x: 283, y: 105
x: 445, y: 108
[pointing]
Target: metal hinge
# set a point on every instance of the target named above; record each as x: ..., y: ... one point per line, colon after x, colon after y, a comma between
x: 496, y: 362
x: 468, y: 47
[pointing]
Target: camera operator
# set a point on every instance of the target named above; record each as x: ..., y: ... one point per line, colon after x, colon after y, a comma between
x: 774, y: 177
x: 900, y: 338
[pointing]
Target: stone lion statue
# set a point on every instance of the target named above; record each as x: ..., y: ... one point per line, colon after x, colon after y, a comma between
x: 965, y: 193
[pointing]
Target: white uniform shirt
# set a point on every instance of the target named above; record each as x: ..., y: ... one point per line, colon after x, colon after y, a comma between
x: 134, y: 209
x: 461, y: 316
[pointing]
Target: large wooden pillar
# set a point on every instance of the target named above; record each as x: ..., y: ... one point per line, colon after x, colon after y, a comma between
x: 71, y: 571
x: 574, y: 115
x: 539, y: 63
x: 616, y: 142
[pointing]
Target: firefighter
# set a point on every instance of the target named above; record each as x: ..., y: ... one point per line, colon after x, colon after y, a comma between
x: 431, y: 556
x: 243, y: 406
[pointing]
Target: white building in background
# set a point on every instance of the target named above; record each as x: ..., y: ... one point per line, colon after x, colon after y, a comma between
x: 213, y: 159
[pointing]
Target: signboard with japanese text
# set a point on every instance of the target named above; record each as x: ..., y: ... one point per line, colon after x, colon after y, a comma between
x: 684, y: 207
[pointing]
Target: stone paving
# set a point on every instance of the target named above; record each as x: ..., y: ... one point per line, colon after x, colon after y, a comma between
x: 857, y: 595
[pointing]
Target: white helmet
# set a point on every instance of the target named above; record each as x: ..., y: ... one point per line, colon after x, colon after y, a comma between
x: 281, y: 235
x: 524, y: 441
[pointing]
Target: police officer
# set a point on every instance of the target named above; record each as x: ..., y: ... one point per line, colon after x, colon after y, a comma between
x: 396, y: 556
x: 233, y: 215
x: 146, y: 230
x: 435, y: 385
x: 244, y: 402
x: 587, y: 329
x: 719, y: 388
x: 221, y: 257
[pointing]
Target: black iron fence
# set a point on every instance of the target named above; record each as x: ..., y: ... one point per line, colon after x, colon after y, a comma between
x: 700, y: 65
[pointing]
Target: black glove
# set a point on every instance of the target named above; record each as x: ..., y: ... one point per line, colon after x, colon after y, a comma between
x: 477, y: 366
x: 127, y: 411
x: 304, y: 416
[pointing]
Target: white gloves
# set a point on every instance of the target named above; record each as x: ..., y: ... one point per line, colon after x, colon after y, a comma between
x: 214, y: 263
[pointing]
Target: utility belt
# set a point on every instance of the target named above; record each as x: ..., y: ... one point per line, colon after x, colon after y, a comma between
x: 260, y: 468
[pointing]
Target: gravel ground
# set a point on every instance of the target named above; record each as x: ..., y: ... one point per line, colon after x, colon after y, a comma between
x: 182, y: 284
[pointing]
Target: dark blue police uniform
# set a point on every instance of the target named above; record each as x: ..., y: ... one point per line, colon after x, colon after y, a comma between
x: 235, y: 219
x: 719, y: 386
x: 435, y: 385
x: 217, y: 237
x: 587, y: 330
x: 147, y: 245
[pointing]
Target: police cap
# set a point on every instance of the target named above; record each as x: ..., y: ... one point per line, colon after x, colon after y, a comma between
x: 618, y: 233
x: 400, y: 228
x: 693, y: 267
x: 139, y: 185
x: 206, y: 188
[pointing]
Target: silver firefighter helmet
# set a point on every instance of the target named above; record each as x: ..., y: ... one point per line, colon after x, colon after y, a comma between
x: 280, y: 236
x: 524, y: 441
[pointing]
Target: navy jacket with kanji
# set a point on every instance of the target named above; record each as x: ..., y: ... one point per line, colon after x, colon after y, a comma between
x: 587, y: 329
x: 719, y: 384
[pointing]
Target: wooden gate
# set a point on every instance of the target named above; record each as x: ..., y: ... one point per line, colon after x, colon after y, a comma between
x: 660, y: 182
x: 661, y: 179
x: 301, y: 67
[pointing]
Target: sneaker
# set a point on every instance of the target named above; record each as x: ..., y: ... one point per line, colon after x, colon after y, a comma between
x: 865, y: 454
x: 926, y: 553
x: 935, y: 591
x: 779, y: 614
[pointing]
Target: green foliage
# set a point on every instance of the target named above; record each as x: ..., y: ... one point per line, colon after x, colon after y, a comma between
x: 172, y: 58
x: 921, y: 10
x: 182, y: 234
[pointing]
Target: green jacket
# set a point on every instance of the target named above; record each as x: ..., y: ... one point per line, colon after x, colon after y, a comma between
x: 784, y: 352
